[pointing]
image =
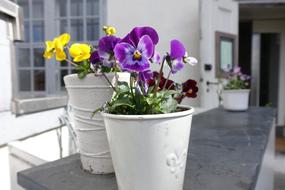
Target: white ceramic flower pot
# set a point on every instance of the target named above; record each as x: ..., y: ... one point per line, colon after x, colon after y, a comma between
x: 235, y: 100
x: 86, y: 95
x: 149, y: 152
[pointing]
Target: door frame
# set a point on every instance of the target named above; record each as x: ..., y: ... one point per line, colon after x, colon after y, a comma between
x: 276, y: 26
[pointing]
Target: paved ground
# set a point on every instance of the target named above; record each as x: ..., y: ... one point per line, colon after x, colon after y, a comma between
x: 279, y: 181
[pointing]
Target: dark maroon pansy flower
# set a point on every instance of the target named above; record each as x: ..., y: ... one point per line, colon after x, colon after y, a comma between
x: 189, y: 88
x: 168, y: 84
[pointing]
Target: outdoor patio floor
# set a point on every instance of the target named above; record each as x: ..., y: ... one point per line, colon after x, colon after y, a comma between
x: 279, y: 181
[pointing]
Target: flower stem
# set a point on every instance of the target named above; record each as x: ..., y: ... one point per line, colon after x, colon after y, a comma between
x: 159, y: 76
x: 109, y: 82
x: 71, y: 62
x: 166, y: 79
x: 170, y: 86
x: 131, y: 86
x: 180, y: 98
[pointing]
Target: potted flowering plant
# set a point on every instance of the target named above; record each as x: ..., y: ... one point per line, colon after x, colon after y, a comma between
x: 235, y: 93
x: 88, y: 89
x: 148, y: 131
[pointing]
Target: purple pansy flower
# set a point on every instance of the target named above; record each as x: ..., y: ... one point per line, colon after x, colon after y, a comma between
x: 244, y: 77
x: 95, y: 58
x: 145, y: 75
x: 135, y: 35
x: 106, y: 50
x: 177, y: 52
x: 143, y: 79
x: 135, y: 58
x: 156, y: 58
x: 237, y: 70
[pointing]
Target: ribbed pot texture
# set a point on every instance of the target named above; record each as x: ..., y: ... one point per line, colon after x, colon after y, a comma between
x: 86, y: 95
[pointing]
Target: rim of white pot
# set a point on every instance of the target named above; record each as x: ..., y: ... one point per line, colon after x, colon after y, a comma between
x: 236, y: 90
x: 189, y: 111
x: 88, y: 75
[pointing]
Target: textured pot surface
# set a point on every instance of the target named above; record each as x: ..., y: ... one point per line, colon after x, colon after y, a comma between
x: 149, y: 152
x: 236, y: 100
x: 85, y: 95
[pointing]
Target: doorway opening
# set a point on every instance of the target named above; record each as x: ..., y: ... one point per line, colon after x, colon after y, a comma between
x: 259, y: 57
x: 269, y: 69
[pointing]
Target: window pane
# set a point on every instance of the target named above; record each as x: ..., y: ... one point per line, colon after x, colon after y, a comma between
x: 76, y: 8
x: 61, y: 8
x: 39, y: 80
x: 92, y: 29
x: 25, y: 80
x: 76, y: 30
x: 25, y: 5
x: 38, y: 8
x: 92, y: 7
x: 63, y: 64
x: 39, y: 60
x: 24, y: 57
x: 38, y: 31
x: 62, y: 74
x: 63, y: 26
x: 27, y: 31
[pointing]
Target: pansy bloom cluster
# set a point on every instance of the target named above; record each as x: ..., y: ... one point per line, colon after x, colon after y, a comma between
x: 237, y: 80
x: 148, y: 91
x: 86, y: 58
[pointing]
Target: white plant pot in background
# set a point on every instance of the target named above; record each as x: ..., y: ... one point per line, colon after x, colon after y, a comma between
x: 149, y: 152
x: 235, y: 100
x: 86, y: 95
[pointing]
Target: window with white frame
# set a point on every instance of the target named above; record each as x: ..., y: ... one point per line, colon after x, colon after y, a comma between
x: 44, y: 19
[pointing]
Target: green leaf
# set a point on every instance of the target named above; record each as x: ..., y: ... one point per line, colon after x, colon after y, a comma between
x: 122, y: 102
x: 81, y: 75
x: 122, y: 87
x: 105, y: 69
x: 83, y: 69
x: 169, y: 105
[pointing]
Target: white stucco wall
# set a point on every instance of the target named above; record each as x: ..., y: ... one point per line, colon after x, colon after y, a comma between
x: 172, y: 20
x: 5, y: 62
x: 216, y: 15
x: 276, y: 26
x: 12, y: 127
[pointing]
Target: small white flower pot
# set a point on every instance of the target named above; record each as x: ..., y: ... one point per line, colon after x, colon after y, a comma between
x: 235, y: 100
x: 149, y: 152
x: 86, y: 95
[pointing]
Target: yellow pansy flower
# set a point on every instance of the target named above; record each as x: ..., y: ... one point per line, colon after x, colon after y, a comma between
x: 59, y: 50
x: 79, y: 52
x: 64, y: 39
x: 57, y: 46
x: 109, y: 30
x: 49, y: 49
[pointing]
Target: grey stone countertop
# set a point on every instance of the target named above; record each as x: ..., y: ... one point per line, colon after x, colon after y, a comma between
x: 225, y: 153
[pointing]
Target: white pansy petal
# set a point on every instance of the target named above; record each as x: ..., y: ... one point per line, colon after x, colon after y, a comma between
x: 191, y: 60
